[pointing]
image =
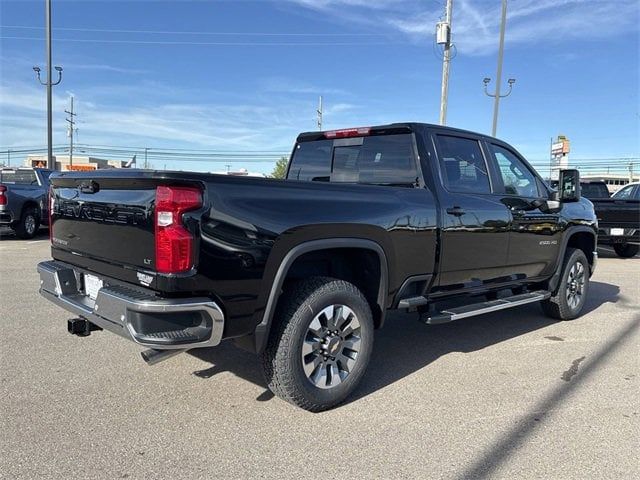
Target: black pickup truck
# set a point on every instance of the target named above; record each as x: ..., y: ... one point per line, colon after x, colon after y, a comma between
x: 301, y: 271
x: 618, y: 216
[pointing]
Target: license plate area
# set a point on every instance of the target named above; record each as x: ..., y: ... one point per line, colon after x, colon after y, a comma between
x: 92, y: 285
x: 617, y: 231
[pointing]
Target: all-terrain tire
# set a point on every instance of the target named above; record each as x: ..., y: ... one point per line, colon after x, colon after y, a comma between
x: 570, y: 297
x: 626, y: 250
x: 28, y: 225
x: 282, y: 361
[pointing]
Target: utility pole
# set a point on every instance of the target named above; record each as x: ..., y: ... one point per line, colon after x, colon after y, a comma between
x: 443, y: 36
x: 630, y: 172
x: 9, y: 157
x: 319, y: 112
x: 550, y: 156
x: 511, y: 81
x: 71, y: 125
x: 146, y: 163
x: 49, y: 85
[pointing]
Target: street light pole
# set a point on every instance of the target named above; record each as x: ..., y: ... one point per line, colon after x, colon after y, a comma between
x: 496, y: 102
x: 49, y: 84
x: 496, y: 95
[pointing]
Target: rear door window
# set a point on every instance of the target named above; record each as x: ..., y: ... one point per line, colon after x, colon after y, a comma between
x: 462, y: 165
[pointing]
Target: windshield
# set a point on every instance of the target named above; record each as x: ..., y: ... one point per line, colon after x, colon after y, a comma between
x: 625, y: 193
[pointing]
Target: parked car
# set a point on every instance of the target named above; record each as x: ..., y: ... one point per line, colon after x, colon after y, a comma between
x: 619, y: 220
x: 23, y: 199
x: 302, y: 270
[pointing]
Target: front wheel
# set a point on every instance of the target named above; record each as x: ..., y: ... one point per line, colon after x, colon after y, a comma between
x: 568, y: 301
x: 320, y: 343
x: 626, y: 250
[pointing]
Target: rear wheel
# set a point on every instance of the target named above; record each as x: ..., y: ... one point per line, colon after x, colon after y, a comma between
x: 320, y: 345
x: 568, y: 301
x: 28, y: 224
x: 626, y: 250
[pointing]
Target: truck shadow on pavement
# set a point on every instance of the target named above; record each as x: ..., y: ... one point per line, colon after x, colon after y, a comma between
x: 7, y: 234
x: 405, y: 345
x: 608, y: 252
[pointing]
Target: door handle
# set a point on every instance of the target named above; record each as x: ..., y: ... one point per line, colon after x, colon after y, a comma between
x: 457, y: 211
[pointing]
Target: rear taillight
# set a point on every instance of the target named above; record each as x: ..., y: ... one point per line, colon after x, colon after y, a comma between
x: 3, y: 195
x: 174, y: 243
x: 348, y: 132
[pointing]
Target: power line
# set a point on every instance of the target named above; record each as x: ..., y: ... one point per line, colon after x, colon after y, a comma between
x: 173, y: 32
x: 178, y: 152
x: 226, y: 44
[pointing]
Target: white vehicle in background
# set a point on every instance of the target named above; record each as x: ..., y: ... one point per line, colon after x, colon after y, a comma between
x: 242, y: 172
x: 628, y: 191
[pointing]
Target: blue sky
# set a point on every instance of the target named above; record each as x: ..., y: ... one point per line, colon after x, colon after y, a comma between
x: 248, y: 74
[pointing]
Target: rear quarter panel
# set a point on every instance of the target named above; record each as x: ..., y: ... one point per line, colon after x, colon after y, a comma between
x: 246, y: 233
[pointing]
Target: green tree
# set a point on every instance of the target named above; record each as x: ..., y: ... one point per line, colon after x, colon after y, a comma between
x: 280, y: 170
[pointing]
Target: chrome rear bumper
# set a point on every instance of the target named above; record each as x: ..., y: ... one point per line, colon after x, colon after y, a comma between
x: 134, y: 313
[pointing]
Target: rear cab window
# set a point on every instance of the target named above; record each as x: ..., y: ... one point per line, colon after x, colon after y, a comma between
x: 388, y: 159
x: 594, y: 190
x: 18, y: 177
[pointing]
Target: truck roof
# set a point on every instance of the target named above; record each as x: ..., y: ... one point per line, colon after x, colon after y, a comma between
x: 390, y: 128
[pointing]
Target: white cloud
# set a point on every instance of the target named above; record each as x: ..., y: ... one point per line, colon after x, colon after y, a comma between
x: 476, y: 23
x: 289, y: 86
x: 159, y: 121
x: 105, y: 68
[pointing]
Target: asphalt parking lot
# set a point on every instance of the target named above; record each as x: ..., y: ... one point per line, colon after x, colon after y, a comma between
x: 506, y: 395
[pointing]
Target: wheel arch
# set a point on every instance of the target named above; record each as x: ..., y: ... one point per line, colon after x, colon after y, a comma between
x: 580, y: 237
x: 318, y: 246
x: 30, y: 204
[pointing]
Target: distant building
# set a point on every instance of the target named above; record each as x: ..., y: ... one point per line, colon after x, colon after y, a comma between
x: 614, y: 181
x: 80, y: 162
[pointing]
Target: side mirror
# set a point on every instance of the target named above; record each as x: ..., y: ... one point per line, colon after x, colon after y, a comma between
x: 569, y: 186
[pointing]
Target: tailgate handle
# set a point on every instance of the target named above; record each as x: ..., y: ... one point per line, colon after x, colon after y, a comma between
x: 90, y: 187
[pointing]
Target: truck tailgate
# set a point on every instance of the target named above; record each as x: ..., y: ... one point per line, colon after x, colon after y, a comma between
x: 115, y: 225
x: 611, y: 211
x: 133, y: 219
